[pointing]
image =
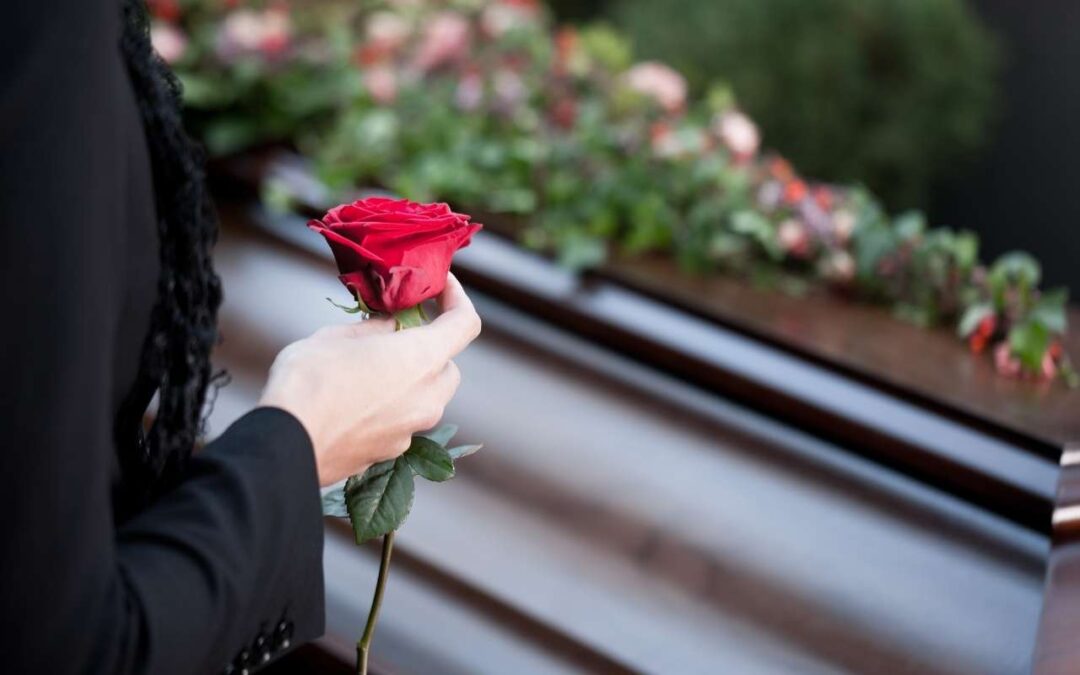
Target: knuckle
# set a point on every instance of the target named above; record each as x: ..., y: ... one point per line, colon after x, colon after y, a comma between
x: 453, y: 375
x: 475, y: 325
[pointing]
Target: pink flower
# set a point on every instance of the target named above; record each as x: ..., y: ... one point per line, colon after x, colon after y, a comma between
x: 503, y: 16
x: 168, y: 40
x: 738, y: 133
x: 1049, y: 366
x: 794, y: 238
x: 381, y: 83
x: 386, y: 31
x: 659, y: 82
x: 247, y: 31
x: 1006, y: 364
x: 445, y: 39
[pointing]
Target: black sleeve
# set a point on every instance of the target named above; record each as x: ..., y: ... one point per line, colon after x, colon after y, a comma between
x: 234, y: 553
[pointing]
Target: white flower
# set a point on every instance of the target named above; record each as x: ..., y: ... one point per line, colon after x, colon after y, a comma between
x: 168, y: 40
x: 843, y: 225
x: 659, y: 82
x: 839, y: 267
x: 738, y: 133
x: 499, y: 18
x: 387, y: 30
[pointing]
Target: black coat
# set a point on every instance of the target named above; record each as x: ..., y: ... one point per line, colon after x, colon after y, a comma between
x: 228, y: 562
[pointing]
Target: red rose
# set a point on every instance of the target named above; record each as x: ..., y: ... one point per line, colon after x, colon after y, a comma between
x: 394, y: 254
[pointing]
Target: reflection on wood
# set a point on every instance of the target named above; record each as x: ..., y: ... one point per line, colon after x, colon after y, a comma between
x: 648, y: 522
x: 931, y: 367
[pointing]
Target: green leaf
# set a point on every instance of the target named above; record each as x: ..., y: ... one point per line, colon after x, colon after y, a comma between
x: 972, y: 317
x: 442, y: 435
x: 379, y: 500
x: 1050, y: 310
x: 1028, y: 342
x: 429, y: 459
x: 463, y: 450
x: 333, y: 502
x: 410, y: 318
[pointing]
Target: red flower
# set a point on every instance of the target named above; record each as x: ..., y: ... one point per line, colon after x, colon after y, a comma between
x: 1055, y: 351
x: 394, y: 254
x: 980, y: 337
x: 795, y: 191
x: 780, y: 169
x: 166, y: 10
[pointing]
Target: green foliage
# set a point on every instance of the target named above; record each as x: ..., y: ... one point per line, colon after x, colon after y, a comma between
x: 379, y: 500
x: 561, y: 134
x: 896, y: 94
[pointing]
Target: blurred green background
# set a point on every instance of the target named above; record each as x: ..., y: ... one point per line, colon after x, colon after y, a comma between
x: 965, y: 108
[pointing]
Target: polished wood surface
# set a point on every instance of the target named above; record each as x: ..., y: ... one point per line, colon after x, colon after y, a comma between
x: 932, y: 367
x: 1058, y: 646
x: 645, y: 520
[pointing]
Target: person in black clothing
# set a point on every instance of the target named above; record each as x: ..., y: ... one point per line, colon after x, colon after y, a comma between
x: 123, y: 551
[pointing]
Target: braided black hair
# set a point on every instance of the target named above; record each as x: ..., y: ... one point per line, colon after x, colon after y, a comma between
x: 183, y: 330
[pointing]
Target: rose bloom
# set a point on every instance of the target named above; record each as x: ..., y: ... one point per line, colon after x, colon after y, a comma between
x: 168, y: 40
x: 659, y: 82
x: 1049, y: 367
x: 738, y: 133
x: 445, y: 39
x: 394, y: 254
x: 381, y: 83
x: 247, y: 31
x: 1005, y: 362
x: 794, y: 238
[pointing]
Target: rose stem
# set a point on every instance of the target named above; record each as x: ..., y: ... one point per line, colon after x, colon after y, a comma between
x: 364, y: 645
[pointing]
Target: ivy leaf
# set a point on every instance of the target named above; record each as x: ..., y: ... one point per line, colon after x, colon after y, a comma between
x: 972, y: 317
x: 1016, y: 269
x: 410, y: 318
x: 379, y: 500
x: 442, y: 435
x: 463, y: 450
x: 429, y: 459
x: 1029, y: 342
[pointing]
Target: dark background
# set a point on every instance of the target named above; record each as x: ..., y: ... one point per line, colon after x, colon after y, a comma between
x: 1025, y: 191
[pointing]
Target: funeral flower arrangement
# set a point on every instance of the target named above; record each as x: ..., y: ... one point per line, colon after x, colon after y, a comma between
x: 486, y: 104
